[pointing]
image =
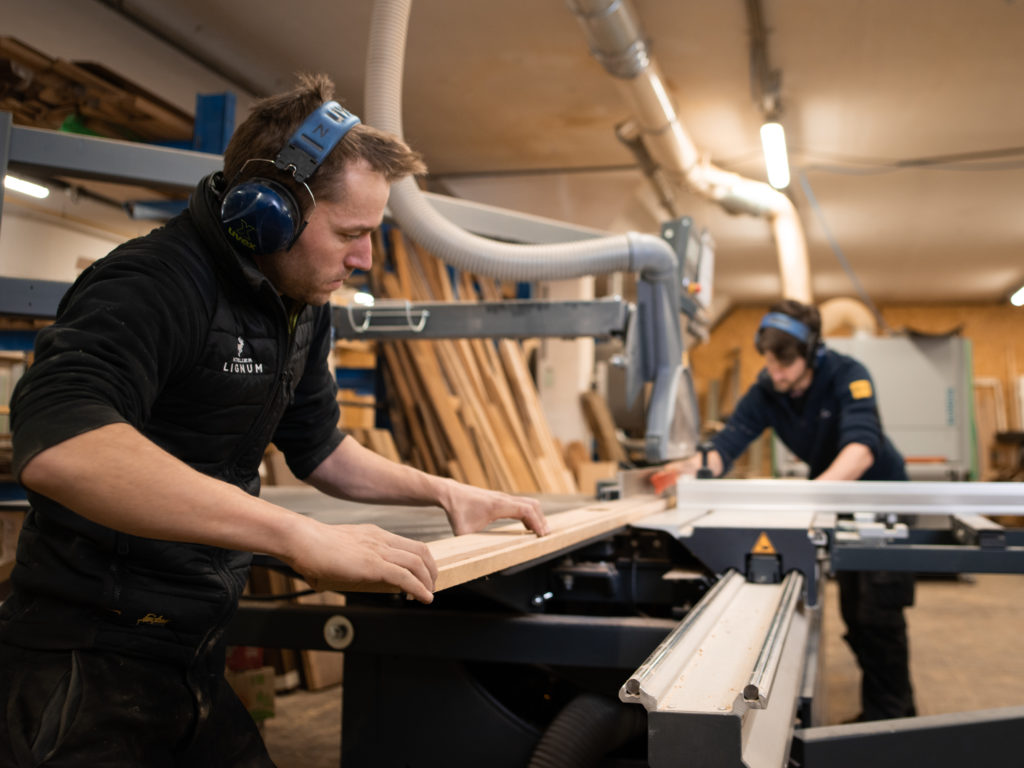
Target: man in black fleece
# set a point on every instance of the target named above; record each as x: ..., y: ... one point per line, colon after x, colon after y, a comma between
x: 138, y: 434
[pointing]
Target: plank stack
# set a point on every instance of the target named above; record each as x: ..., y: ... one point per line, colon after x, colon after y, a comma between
x: 462, y: 408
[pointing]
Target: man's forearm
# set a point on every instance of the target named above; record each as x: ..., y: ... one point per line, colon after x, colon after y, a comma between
x: 116, y: 477
x: 849, y: 464
x: 357, y: 473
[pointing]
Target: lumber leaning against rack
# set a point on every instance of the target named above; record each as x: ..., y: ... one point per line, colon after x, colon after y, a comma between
x: 469, y: 407
x: 464, y: 558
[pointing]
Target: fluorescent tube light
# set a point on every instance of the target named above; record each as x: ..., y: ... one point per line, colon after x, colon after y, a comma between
x: 1018, y: 298
x: 15, y: 184
x: 773, y: 141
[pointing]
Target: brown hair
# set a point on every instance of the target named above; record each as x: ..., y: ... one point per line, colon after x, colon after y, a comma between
x: 274, y: 119
x: 785, y: 347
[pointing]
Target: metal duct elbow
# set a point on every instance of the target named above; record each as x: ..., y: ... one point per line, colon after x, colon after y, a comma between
x: 843, y: 313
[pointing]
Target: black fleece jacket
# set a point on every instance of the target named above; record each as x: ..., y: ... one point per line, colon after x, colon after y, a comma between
x: 181, y: 337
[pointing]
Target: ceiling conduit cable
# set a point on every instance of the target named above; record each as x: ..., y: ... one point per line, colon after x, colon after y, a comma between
x: 649, y: 255
x: 838, y: 251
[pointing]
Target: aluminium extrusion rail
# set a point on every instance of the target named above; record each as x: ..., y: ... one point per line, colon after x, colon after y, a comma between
x: 879, y: 496
x: 708, y: 684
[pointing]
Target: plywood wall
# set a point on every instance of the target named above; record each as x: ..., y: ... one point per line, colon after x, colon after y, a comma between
x: 996, y: 332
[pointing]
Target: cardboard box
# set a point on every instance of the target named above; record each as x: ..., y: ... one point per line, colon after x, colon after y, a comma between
x: 255, y: 687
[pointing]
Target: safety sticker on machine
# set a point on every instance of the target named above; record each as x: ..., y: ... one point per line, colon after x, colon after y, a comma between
x: 763, y: 545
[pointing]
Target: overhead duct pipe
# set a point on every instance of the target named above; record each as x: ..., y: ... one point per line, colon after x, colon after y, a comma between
x: 843, y: 313
x: 647, y: 254
x: 616, y: 39
x: 657, y: 324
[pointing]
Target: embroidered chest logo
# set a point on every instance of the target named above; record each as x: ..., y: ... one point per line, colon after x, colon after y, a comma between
x: 240, y: 363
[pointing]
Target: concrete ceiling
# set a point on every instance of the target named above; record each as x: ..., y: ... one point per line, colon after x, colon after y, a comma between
x: 906, y: 118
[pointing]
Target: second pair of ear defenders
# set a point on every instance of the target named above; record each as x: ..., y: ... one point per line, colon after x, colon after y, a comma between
x: 793, y: 327
x: 260, y: 215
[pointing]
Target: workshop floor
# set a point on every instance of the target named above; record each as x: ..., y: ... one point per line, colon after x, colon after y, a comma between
x: 964, y: 650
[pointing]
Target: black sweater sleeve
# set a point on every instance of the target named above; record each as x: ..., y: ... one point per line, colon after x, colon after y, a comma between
x: 859, y: 421
x: 122, y: 329
x: 749, y: 419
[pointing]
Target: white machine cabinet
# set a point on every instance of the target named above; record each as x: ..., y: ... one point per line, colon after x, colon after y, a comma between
x: 925, y: 395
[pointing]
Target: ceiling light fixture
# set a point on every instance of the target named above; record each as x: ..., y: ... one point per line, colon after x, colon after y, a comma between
x: 776, y: 160
x: 15, y: 184
x: 1018, y: 298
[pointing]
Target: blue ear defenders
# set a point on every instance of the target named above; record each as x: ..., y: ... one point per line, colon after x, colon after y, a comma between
x: 260, y: 215
x: 799, y: 331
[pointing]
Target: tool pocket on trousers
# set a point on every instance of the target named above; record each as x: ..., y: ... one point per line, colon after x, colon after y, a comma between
x: 58, y: 713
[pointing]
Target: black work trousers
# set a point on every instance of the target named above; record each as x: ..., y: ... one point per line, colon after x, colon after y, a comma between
x: 105, y: 710
x: 872, y: 604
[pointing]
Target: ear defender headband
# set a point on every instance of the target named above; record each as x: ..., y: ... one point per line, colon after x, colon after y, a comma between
x: 793, y: 327
x: 260, y: 215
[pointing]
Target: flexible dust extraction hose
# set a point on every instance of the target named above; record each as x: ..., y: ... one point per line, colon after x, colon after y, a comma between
x: 649, y: 255
x: 586, y: 730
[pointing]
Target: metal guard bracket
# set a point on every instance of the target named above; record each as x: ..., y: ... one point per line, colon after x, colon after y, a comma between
x: 401, y: 310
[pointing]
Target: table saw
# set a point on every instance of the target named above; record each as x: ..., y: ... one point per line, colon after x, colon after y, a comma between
x: 685, y: 636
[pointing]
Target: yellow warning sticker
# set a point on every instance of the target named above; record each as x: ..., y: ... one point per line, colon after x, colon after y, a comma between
x: 764, y: 545
x: 860, y: 389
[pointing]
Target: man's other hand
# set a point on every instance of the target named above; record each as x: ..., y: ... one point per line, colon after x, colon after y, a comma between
x: 471, y: 509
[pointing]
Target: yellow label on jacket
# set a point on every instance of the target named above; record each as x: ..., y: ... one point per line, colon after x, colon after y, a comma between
x: 860, y: 389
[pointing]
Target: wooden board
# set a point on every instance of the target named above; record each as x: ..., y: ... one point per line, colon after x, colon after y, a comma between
x: 10, y: 529
x: 602, y: 425
x: 464, y: 558
x: 320, y: 669
x: 464, y: 407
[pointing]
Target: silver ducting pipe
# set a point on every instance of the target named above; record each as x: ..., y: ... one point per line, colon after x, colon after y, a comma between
x: 647, y: 254
x: 616, y: 39
x: 655, y: 330
x: 843, y: 313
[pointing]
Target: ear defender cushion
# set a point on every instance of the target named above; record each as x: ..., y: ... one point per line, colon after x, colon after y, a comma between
x: 260, y: 217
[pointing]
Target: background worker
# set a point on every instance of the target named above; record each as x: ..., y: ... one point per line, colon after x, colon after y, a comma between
x: 139, y: 432
x: 822, y: 405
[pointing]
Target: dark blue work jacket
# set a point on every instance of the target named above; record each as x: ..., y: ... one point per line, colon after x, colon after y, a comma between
x: 838, y: 408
